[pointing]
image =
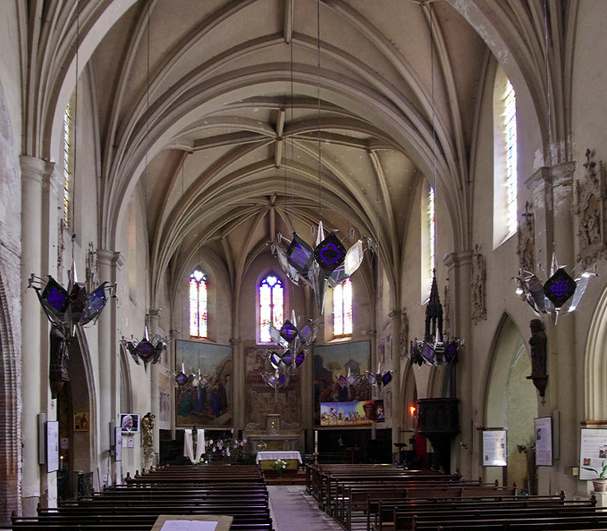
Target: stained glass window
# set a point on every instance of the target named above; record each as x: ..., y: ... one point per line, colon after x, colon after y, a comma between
x: 511, y: 154
x: 431, y: 230
x: 271, y: 307
x: 67, y: 164
x: 342, y: 309
x: 198, y: 304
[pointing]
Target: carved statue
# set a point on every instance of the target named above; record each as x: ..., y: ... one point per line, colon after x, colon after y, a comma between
x: 537, y: 342
x: 147, y: 429
x: 58, y: 371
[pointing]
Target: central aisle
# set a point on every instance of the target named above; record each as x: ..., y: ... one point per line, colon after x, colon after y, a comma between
x: 294, y: 510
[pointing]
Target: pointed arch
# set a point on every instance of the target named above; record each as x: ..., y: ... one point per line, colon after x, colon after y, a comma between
x: 508, y: 394
x: 595, y: 364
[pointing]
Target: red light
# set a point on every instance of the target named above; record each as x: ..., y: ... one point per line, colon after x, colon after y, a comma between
x: 412, y: 410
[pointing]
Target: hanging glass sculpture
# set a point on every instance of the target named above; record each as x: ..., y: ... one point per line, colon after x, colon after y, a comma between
x: 326, y: 265
x: 559, y: 295
x: 294, y: 344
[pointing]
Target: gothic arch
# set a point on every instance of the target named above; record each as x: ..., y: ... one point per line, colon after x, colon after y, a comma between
x: 507, y: 397
x: 595, y: 364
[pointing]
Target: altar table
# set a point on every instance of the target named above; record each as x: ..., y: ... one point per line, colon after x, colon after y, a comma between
x: 267, y: 458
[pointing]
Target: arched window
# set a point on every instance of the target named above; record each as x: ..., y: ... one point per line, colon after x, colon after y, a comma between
x: 427, y: 240
x: 199, y: 318
x: 505, y: 159
x: 342, y: 309
x: 271, y: 306
x: 67, y: 163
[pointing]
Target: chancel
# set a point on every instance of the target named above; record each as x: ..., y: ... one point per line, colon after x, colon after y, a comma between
x: 378, y: 237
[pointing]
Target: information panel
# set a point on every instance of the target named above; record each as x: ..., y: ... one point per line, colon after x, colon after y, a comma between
x: 593, y: 452
x: 494, y: 448
x: 543, y: 441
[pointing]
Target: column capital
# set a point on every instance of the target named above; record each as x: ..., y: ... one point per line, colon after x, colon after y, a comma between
x: 113, y: 258
x: 462, y: 258
x: 32, y: 168
x: 552, y: 176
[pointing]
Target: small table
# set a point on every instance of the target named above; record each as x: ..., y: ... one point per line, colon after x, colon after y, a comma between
x: 265, y: 459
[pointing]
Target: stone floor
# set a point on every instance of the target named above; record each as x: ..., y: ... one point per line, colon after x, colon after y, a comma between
x: 294, y: 510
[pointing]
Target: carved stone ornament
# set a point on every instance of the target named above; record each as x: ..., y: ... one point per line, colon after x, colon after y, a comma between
x: 526, y: 241
x: 589, y: 210
x: 479, y: 275
x: 447, y: 306
x: 92, y: 268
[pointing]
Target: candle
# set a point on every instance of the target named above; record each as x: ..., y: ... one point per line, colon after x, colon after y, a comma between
x: 315, y: 441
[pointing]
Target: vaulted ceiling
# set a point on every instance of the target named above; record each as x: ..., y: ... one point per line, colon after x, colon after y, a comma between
x: 238, y: 119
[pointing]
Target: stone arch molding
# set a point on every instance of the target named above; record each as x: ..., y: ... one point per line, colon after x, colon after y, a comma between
x: 595, y: 364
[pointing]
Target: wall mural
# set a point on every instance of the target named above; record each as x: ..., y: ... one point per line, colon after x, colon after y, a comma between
x: 210, y: 402
x: 262, y: 400
x: 343, y: 359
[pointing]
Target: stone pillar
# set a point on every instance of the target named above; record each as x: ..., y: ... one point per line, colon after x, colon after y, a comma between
x: 460, y: 284
x: 154, y: 390
x: 552, y: 208
x: 397, y: 404
x: 108, y: 397
x: 236, y: 399
x: 34, y: 326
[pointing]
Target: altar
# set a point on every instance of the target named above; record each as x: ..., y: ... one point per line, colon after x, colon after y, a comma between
x: 266, y: 458
x: 276, y: 435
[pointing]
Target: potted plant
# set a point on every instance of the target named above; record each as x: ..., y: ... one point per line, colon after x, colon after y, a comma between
x: 599, y: 483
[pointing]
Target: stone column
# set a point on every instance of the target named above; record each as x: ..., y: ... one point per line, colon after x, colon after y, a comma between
x: 552, y: 189
x: 154, y: 390
x: 460, y: 282
x: 35, y: 384
x: 108, y: 398
x: 397, y: 406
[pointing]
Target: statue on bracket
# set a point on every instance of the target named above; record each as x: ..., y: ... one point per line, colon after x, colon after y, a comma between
x: 479, y: 275
x: 538, y: 345
x: 526, y: 241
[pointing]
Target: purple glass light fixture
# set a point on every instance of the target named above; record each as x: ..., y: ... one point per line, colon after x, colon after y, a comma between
x: 559, y: 295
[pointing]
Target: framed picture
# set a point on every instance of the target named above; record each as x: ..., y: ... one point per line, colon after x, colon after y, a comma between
x: 352, y: 359
x: 210, y: 402
x: 543, y: 441
x: 129, y: 423
x: 495, y: 450
x: 81, y: 421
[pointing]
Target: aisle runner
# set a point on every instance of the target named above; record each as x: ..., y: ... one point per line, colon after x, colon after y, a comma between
x: 293, y: 510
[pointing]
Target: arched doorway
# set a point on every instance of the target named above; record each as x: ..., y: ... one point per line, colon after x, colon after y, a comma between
x: 75, y: 414
x: 509, y: 394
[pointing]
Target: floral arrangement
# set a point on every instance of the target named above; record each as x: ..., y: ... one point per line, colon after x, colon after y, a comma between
x: 279, y: 466
x: 261, y: 446
x: 224, y: 450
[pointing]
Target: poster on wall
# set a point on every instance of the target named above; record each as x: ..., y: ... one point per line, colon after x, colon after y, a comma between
x: 357, y: 413
x: 593, y: 452
x: 210, y: 402
x: 52, y: 446
x: 543, y: 441
x: 129, y: 423
x: 494, y: 448
x: 346, y: 360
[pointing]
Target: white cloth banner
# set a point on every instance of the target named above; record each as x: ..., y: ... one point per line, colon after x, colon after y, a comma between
x: 188, y: 445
